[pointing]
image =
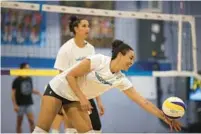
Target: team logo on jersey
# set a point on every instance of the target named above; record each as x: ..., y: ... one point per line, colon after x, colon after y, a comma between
x: 102, y: 80
x: 26, y: 88
x: 80, y: 58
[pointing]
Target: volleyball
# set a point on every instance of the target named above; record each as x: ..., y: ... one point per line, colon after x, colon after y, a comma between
x: 173, y: 107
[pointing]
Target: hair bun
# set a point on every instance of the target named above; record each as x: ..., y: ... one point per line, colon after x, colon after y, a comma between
x: 116, y: 44
x: 73, y: 18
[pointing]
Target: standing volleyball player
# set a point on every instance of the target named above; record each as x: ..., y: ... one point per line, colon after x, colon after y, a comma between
x: 93, y: 76
x: 73, y: 51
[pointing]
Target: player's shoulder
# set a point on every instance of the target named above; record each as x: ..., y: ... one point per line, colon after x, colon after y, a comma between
x: 17, y: 79
x: 89, y: 45
x: 101, y: 57
x: 68, y: 43
x: 66, y: 46
x: 120, y: 75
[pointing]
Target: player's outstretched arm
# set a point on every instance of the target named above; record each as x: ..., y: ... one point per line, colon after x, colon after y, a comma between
x: 151, y: 108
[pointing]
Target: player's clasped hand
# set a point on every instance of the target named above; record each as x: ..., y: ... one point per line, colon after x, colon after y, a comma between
x: 173, y: 124
x: 85, y: 105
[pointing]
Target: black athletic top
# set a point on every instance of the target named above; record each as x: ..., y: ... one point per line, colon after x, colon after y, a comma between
x: 24, y: 88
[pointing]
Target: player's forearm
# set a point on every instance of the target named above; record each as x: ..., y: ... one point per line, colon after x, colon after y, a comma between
x: 14, y: 102
x: 151, y: 108
x: 34, y: 91
x: 13, y: 98
x: 145, y: 104
x: 98, y: 99
x: 74, y: 86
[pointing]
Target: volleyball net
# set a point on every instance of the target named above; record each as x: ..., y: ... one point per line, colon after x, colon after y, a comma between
x: 115, y: 24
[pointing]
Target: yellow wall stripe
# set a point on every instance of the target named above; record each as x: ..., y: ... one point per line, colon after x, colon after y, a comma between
x: 33, y: 72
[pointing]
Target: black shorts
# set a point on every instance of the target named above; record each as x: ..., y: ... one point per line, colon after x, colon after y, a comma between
x: 50, y: 92
x: 94, y: 116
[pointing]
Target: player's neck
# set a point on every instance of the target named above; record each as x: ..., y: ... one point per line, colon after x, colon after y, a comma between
x: 79, y: 41
x: 114, y: 68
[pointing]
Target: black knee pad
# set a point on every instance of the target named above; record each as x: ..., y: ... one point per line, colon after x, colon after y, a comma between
x: 94, y: 116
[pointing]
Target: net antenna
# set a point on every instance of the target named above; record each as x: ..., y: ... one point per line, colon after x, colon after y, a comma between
x: 180, y: 19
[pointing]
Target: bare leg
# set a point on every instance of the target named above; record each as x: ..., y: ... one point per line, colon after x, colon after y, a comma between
x: 57, y: 123
x: 79, y: 119
x: 67, y: 123
x: 30, y: 117
x: 19, y: 124
x: 50, y: 106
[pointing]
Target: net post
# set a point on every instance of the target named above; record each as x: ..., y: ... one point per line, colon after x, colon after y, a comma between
x: 194, y: 44
x: 179, y: 53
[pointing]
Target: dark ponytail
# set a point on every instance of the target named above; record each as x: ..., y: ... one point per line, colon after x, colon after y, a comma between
x: 119, y: 46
